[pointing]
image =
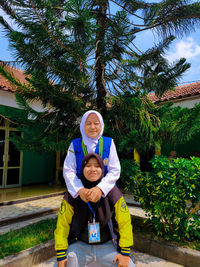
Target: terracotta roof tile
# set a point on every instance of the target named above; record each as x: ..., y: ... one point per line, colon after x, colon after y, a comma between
x: 182, y: 91
x: 5, y: 85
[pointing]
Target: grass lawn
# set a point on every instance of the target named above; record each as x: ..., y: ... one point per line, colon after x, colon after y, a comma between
x: 27, y: 237
x: 16, y: 241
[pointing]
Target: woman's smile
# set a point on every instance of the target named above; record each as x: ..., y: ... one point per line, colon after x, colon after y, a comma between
x: 92, y: 170
x: 92, y: 126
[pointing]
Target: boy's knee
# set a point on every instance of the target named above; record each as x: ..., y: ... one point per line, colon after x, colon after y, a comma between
x: 131, y: 264
x: 72, y: 260
x: 71, y: 254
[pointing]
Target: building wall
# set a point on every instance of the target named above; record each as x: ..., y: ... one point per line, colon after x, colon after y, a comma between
x: 187, y: 103
x: 183, y: 150
x: 189, y: 148
x: 7, y: 98
x: 36, y: 168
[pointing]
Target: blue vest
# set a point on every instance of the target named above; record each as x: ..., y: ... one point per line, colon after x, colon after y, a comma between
x: 77, y: 144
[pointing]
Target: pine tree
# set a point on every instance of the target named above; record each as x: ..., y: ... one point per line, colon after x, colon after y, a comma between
x: 82, y: 52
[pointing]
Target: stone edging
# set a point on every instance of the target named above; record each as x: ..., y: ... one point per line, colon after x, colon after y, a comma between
x: 42, y: 252
x: 31, y: 256
x: 179, y: 255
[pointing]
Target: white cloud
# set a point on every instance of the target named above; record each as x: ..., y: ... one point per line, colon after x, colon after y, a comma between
x: 185, y: 48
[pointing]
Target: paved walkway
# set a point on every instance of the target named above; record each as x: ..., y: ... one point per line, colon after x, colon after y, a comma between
x: 140, y: 259
x: 11, y: 212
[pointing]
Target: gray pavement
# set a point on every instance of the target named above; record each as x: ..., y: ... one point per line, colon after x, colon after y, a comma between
x: 140, y: 260
x: 30, y: 208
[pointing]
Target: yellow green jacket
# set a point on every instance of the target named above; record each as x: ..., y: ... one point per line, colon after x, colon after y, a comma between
x: 121, y: 224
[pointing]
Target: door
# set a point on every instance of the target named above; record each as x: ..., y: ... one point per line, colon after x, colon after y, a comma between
x: 2, y: 145
x: 10, y: 157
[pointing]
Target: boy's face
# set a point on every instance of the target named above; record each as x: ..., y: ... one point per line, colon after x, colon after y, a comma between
x: 92, y: 170
x: 92, y: 126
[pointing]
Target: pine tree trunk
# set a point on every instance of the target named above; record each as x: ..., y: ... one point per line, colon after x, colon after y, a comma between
x: 100, y: 61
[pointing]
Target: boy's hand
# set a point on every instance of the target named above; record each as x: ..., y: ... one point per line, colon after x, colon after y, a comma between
x: 123, y: 261
x: 62, y: 263
x: 95, y: 194
x: 84, y: 194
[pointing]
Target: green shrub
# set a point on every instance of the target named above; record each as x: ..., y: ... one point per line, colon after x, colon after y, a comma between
x: 170, y: 195
x: 129, y: 168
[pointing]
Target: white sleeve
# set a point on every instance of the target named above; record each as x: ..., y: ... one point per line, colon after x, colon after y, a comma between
x: 114, y: 168
x: 73, y: 183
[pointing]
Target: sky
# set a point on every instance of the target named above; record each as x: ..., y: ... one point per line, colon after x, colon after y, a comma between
x: 187, y: 47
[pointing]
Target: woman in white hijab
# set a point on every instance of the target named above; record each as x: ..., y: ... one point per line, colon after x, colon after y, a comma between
x: 91, y: 128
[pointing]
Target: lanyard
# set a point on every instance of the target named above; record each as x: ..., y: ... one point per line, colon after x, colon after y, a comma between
x: 100, y: 147
x: 93, y: 212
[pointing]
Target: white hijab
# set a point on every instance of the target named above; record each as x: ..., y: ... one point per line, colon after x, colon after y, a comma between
x: 91, y: 142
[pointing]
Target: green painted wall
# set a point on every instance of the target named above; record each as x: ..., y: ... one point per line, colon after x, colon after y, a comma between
x: 36, y: 168
x: 183, y: 150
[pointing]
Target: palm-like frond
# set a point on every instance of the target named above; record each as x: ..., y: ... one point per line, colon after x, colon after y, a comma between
x: 78, y: 52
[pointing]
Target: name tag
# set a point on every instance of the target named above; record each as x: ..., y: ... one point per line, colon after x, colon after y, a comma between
x: 93, y: 233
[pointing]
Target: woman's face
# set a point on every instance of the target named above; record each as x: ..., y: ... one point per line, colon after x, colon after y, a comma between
x: 92, y: 126
x: 92, y: 170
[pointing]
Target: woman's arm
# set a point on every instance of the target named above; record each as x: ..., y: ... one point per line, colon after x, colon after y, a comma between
x: 73, y: 183
x: 114, y: 168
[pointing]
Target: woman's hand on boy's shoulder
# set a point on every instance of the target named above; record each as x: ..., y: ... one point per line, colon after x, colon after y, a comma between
x: 95, y: 194
x: 123, y: 261
x: 62, y: 263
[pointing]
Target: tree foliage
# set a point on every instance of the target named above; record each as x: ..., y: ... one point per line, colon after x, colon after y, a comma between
x: 132, y: 123
x: 82, y: 53
x: 179, y: 125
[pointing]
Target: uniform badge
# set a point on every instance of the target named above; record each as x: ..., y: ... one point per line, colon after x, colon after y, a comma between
x: 124, y: 207
x: 62, y: 207
x: 105, y: 161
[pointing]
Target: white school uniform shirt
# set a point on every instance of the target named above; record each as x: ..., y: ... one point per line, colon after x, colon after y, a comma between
x: 74, y: 184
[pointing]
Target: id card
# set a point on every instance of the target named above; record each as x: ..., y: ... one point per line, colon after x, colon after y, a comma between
x: 93, y: 233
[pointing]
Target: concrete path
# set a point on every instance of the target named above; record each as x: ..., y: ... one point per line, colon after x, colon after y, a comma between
x: 140, y: 259
x: 23, y: 210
